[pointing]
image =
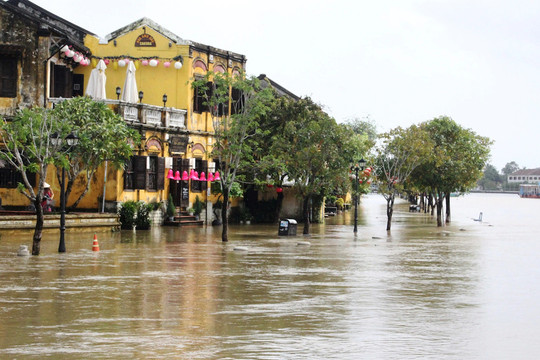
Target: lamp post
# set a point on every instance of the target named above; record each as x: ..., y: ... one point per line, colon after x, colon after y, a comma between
x: 71, y: 140
x: 141, y: 95
x: 164, y: 100
x: 357, y: 168
x: 118, y: 92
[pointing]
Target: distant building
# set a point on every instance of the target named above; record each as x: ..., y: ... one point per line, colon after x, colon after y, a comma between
x: 524, y: 176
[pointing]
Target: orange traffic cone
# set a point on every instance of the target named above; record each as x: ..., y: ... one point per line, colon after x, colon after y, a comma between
x: 95, y: 246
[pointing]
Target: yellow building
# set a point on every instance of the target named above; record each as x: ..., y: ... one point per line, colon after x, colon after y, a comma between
x: 175, y: 128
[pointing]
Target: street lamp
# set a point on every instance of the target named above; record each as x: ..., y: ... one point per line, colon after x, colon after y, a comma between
x: 118, y: 92
x: 357, y: 168
x: 164, y: 100
x: 71, y: 140
x: 141, y: 95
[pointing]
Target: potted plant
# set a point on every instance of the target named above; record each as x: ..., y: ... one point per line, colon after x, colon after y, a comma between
x: 197, y: 207
x: 171, y: 209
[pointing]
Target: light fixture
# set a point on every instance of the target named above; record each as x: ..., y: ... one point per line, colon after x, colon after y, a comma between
x: 170, y: 175
x: 55, y: 139
x: 72, y: 139
x: 164, y: 100
x: 141, y: 95
x: 210, y: 177
x: 202, y: 177
x: 216, y: 176
x: 177, y: 176
x: 118, y: 92
x: 185, y: 176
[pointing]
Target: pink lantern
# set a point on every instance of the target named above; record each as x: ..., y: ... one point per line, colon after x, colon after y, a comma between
x: 106, y: 61
x: 177, y: 176
x: 170, y: 175
x: 193, y: 175
x: 185, y: 176
x: 144, y: 62
x: 216, y: 176
x: 279, y: 190
x: 210, y: 177
x: 202, y: 177
x: 167, y: 64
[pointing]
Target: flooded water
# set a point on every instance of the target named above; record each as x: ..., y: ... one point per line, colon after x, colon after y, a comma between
x: 466, y: 291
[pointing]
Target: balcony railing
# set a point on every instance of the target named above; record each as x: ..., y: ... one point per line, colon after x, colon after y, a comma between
x: 150, y: 115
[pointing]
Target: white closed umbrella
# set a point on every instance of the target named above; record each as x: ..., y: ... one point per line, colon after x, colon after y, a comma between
x: 96, y: 84
x: 130, y: 93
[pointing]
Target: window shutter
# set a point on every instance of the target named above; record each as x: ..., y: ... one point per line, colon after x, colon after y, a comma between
x: 160, y: 173
x: 139, y: 172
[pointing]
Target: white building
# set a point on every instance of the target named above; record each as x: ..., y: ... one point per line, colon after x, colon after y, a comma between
x: 525, y: 176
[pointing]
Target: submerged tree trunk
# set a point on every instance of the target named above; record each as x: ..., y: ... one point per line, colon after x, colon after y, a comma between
x: 447, y: 197
x: 439, y: 204
x: 306, y: 215
x: 38, y: 230
x: 279, y: 205
x: 389, y: 211
x: 225, y: 216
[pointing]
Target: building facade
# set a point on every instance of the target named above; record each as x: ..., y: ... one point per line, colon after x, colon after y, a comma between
x: 175, y: 128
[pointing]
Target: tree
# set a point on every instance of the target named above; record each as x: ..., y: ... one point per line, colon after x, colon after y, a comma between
x: 365, y: 126
x: 236, y: 105
x: 400, y: 152
x: 458, y: 157
x: 28, y: 148
x: 491, y: 179
x: 510, y: 168
x: 103, y: 136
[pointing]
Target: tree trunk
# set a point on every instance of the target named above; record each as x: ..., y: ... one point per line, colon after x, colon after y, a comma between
x: 439, y: 203
x: 224, y: 215
x: 448, y: 219
x: 38, y: 230
x: 279, y: 205
x: 306, y: 215
x: 389, y: 211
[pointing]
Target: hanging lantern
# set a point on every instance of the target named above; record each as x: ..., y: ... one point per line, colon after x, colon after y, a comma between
x: 269, y: 185
x: 210, y: 177
x: 106, y: 61
x: 177, y: 176
x: 154, y: 62
x: 202, y: 177
x: 137, y: 64
x: 279, y: 190
x: 127, y: 60
x: 170, y: 175
x: 216, y: 176
x: 178, y: 65
x: 94, y: 62
x: 77, y: 57
x: 115, y: 65
x: 64, y: 48
x: 167, y: 64
x: 144, y: 62
x: 185, y: 176
x: 122, y: 63
x: 70, y: 54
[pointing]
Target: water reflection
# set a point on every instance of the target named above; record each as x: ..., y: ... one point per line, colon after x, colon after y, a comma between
x: 177, y: 293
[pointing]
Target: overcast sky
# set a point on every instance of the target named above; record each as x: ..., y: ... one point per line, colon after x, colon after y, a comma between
x: 399, y: 62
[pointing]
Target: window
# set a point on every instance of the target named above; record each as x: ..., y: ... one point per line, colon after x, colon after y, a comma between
x: 199, y: 99
x: 10, y: 177
x: 237, y: 101
x: 8, y: 76
x: 145, y: 173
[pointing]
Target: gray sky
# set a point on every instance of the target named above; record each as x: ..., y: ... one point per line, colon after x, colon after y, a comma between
x: 397, y: 61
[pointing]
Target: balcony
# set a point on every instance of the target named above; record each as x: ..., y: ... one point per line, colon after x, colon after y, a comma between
x: 144, y: 114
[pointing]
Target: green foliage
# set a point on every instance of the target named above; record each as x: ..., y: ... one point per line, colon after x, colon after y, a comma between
x: 198, y: 206
x: 510, y: 168
x: 135, y: 213
x: 491, y: 179
x: 103, y: 136
x: 339, y: 203
x: 142, y: 221
x: 171, y: 209
x: 127, y: 213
